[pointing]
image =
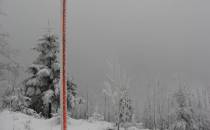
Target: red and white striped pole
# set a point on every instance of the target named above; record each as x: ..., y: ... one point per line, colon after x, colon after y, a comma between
x: 63, y: 68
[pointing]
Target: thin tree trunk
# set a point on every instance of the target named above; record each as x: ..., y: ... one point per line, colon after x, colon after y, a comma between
x: 105, y: 107
x: 168, y: 103
x: 108, y: 111
x: 154, y: 104
x: 87, y: 109
x: 49, y: 110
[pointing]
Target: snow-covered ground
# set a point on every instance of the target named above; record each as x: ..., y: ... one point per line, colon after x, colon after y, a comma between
x: 18, y: 121
x: 85, y: 125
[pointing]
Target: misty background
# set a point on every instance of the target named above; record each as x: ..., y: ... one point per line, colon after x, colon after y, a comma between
x: 165, y: 40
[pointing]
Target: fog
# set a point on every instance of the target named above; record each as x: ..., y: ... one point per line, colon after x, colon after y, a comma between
x: 165, y: 40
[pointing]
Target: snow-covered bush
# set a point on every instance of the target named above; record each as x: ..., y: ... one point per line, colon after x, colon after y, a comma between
x: 96, y: 116
x: 14, y: 100
x: 30, y: 112
x: 47, y: 97
x: 27, y: 125
x: 133, y: 128
x: 179, y: 125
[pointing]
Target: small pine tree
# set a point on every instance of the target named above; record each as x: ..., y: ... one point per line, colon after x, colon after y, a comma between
x: 184, y: 114
x: 116, y: 88
x: 73, y: 98
x: 124, y: 115
x: 72, y: 94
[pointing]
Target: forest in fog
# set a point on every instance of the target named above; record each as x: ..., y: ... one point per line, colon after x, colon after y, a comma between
x: 132, y: 65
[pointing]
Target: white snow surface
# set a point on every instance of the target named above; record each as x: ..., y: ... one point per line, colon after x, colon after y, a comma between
x: 44, y: 72
x: 85, y: 125
x: 19, y: 121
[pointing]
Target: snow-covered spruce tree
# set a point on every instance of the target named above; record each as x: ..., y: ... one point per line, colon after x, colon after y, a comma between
x: 42, y: 87
x: 183, y: 116
x: 72, y: 93
x: 116, y: 88
x: 125, y: 114
x: 73, y: 98
x: 190, y: 112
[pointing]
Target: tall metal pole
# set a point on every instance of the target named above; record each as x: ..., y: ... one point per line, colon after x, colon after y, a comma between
x: 63, y: 68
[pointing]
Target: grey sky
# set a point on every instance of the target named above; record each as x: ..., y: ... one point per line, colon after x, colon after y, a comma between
x: 153, y: 39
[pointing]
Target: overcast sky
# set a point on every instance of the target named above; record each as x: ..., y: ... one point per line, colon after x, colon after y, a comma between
x: 153, y: 39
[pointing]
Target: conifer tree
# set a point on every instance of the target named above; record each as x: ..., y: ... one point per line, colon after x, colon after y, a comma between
x: 72, y: 94
x: 116, y: 88
x: 125, y: 109
x: 73, y: 98
x: 43, y: 84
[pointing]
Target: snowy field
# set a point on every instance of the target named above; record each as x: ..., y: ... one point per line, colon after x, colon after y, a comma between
x: 19, y: 121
